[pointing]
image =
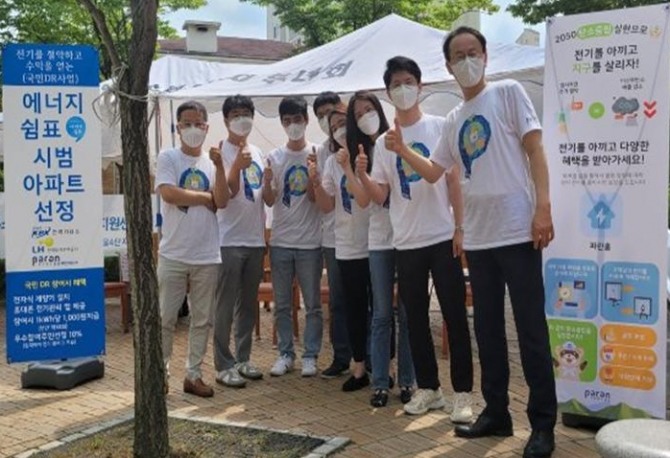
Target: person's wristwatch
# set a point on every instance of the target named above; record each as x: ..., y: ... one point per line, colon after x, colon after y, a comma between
x: 460, y: 228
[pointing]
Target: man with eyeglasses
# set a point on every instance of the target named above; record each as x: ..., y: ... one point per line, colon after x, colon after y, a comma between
x: 192, y: 186
x: 495, y: 137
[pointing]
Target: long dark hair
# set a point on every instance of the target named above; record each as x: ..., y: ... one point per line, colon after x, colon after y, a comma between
x: 338, y: 111
x: 355, y: 136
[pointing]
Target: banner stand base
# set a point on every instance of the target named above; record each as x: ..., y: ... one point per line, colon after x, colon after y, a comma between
x: 62, y: 375
x: 572, y: 420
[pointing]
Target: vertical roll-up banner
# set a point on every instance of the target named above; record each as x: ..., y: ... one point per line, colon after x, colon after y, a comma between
x: 606, y: 125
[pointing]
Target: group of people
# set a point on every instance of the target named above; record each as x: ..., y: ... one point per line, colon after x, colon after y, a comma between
x: 379, y: 202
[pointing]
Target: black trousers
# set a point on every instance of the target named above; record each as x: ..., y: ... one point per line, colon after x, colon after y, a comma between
x: 520, y: 267
x: 356, y: 284
x: 414, y: 266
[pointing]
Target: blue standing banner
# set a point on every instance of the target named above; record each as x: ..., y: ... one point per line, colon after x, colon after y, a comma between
x: 53, y: 236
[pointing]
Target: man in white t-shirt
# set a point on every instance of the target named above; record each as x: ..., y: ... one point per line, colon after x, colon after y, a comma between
x: 323, y: 105
x: 427, y: 241
x: 192, y: 187
x: 295, y: 241
x: 495, y: 137
x: 242, y: 239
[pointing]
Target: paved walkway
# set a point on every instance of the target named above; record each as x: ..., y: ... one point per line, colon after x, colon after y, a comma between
x: 31, y: 418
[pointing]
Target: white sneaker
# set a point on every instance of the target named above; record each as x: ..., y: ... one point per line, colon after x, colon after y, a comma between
x: 462, y: 412
x: 283, y: 365
x: 424, y: 400
x: 309, y: 367
x: 230, y: 377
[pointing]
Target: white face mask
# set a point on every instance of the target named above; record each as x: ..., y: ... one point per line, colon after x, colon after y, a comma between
x: 193, y: 137
x: 340, y: 136
x: 323, y: 124
x: 404, y: 96
x: 469, y: 71
x: 295, y: 131
x: 369, y: 123
x: 241, y: 126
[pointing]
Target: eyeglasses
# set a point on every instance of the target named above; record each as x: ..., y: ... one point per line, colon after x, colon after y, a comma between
x: 188, y: 125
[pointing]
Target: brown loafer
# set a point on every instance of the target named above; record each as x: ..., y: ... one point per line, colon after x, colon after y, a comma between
x: 198, y: 388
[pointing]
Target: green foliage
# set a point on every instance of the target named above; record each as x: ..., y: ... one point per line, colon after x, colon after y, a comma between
x: 320, y: 21
x: 65, y: 21
x: 536, y: 11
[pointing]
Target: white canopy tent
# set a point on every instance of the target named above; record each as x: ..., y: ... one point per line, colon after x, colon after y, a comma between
x: 357, y: 61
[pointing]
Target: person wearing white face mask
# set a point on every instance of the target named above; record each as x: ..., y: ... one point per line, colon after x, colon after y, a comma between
x: 365, y: 123
x: 295, y: 241
x: 242, y: 241
x: 323, y: 105
x: 338, y: 189
x: 495, y: 138
x: 192, y: 187
x: 427, y: 240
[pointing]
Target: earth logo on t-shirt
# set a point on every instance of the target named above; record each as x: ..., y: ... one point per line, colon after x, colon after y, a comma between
x: 346, y: 194
x: 254, y: 175
x: 406, y: 174
x: 407, y: 169
x: 295, y: 183
x: 194, y: 180
x: 473, y: 139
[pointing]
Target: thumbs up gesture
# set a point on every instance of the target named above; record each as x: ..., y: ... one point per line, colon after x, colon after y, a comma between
x: 393, y: 139
x: 361, y: 161
x: 215, y: 157
x: 243, y: 158
x: 267, y: 174
x: 342, y: 158
x: 313, y: 166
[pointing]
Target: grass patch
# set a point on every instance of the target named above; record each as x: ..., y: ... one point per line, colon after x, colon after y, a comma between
x: 191, y: 439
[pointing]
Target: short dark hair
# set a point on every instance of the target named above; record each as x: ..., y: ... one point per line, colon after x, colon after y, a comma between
x: 192, y: 105
x: 237, y: 101
x: 325, y: 98
x: 398, y: 64
x: 292, y: 105
x: 460, y: 31
x: 355, y: 136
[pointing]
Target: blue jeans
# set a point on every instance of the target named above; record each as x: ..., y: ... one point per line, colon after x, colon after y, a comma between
x: 306, y: 265
x: 382, y: 276
x: 339, y: 336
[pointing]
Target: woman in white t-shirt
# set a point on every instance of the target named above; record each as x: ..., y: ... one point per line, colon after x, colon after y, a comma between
x: 365, y: 123
x: 338, y: 189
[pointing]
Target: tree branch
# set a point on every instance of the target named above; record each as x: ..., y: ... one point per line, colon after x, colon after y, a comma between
x: 107, y: 40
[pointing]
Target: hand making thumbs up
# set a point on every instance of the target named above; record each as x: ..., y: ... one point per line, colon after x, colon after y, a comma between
x: 243, y: 158
x: 267, y: 174
x: 361, y: 161
x: 393, y: 139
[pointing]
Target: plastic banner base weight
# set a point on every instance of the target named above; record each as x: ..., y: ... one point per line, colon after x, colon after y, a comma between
x: 572, y: 420
x: 62, y: 375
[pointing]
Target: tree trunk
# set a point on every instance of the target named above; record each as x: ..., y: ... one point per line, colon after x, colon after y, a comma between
x: 151, y: 429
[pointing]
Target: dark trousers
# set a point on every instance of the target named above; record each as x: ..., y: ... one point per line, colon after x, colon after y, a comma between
x: 356, y: 283
x: 447, y: 272
x: 520, y: 267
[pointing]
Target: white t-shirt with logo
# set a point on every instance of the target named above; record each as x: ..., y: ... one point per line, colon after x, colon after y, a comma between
x: 420, y: 211
x: 296, y: 221
x: 380, y: 235
x: 242, y: 222
x: 484, y: 136
x: 351, y: 221
x: 327, y: 219
x: 189, y: 234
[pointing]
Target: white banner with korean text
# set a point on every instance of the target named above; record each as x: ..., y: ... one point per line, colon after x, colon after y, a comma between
x: 606, y: 117
x: 53, y: 187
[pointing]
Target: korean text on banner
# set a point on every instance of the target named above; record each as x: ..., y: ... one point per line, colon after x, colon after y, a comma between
x: 606, y: 122
x: 53, y: 204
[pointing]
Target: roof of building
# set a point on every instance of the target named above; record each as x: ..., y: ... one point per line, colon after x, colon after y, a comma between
x: 234, y: 48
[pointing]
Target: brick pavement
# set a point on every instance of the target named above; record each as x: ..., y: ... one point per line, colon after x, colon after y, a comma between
x: 30, y: 418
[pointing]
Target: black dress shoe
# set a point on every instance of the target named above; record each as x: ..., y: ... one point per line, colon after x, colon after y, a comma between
x: 353, y: 383
x: 379, y: 398
x: 405, y: 394
x: 486, y: 426
x: 540, y: 445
